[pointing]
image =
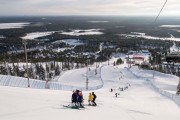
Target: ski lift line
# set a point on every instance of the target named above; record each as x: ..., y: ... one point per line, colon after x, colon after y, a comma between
x: 160, y: 11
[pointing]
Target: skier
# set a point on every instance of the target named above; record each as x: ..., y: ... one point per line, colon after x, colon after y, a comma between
x: 94, y: 98
x: 80, y: 98
x: 111, y: 90
x: 116, y: 94
x: 74, y: 98
x: 90, y: 98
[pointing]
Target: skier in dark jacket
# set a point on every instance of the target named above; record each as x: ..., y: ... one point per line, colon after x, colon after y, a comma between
x: 74, y: 98
x: 80, y: 98
x: 93, y: 101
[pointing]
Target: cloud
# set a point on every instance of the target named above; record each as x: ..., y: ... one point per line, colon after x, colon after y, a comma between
x: 87, y: 7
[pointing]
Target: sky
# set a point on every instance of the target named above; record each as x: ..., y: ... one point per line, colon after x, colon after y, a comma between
x: 88, y: 7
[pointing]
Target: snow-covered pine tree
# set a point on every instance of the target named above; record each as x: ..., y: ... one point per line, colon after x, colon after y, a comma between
x: 52, y: 66
x: 3, y: 70
x: 57, y: 70
x: 37, y: 70
x: 42, y: 73
x: 10, y: 70
x: 47, y: 68
x: 77, y: 65
x: 31, y: 75
x: 13, y: 73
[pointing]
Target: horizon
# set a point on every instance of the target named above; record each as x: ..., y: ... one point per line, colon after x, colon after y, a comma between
x: 163, y: 16
x: 88, y: 8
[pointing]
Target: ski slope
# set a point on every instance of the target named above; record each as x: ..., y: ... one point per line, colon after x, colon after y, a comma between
x: 78, y: 77
x: 139, y: 102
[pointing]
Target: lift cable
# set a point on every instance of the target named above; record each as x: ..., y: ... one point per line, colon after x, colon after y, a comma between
x: 160, y: 11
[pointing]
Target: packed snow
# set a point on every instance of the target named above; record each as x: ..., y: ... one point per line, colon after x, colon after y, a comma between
x: 34, y: 35
x: 13, y: 25
x: 72, y: 76
x: 138, y: 101
x: 143, y: 35
x: 163, y: 81
x: 83, y: 32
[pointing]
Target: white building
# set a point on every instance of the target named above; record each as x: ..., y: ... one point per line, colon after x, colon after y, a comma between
x: 138, y: 57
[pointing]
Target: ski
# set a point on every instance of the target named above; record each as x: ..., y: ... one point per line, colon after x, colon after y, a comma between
x: 74, y: 107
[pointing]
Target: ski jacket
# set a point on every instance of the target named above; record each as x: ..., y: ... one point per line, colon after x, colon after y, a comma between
x: 94, y: 96
x: 74, y: 97
x: 80, y: 97
x: 91, y: 97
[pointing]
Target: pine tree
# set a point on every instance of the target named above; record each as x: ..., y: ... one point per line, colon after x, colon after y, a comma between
x: 31, y: 75
x: 42, y: 73
x: 77, y: 65
x: 37, y: 69
x: 3, y: 70
x: 10, y: 70
x: 47, y: 68
x: 119, y: 61
x: 0, y: 70
x: 52, y: 66
x: 57, y: 71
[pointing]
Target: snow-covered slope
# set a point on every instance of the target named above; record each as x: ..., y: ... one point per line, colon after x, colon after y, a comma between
x: 163, y: 81
x: 138, y: 102
x: 78, y: 77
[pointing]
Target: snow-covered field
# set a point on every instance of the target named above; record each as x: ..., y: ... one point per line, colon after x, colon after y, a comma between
x: 71, y: 42
x: 98, y: 21
x: 31, y: 36
x: 13, y: 25
x: 83, y: 32
x: 143, y: 35
x: 170, y: 26
x: 1, y: 37
x: 140, y: 101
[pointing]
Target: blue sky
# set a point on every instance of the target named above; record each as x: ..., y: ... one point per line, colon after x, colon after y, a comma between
x: 88, y: 7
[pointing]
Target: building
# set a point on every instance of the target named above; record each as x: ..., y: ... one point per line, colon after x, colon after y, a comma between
x: 174, y: 54
x: 138, y: 57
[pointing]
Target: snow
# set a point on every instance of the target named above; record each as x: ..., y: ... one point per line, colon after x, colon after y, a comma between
x: 170, y: 26
x: 34, y: 35
x: 1, y: 37
x: 141, y: 101
x: 98, y: 21
x: 13, y: 25
x: 137, y: 33
x: 143, y: 35
x: 83, y: 32
x: 78, y: 77
x: 163, y: 81
x: 174, y: 48
x: 71, y: 42
x: 61, y: 49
